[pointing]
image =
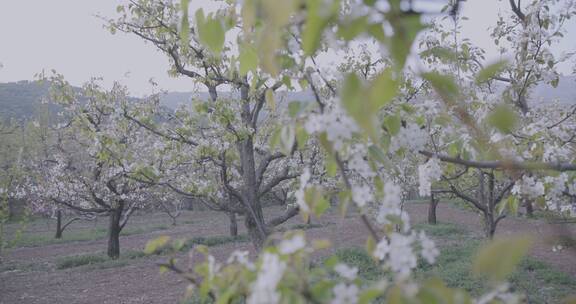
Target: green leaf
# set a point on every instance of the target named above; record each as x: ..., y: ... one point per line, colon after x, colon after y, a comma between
x: 210, y: 32
x: 317, y: 20
x: 301, y: 136
x: 443, y: 53
x: 444, y: 85
x: 156, y: 244
x: 313, y: 28
x: 287, y: 138
x: 270, y: 100
x: 248, y: 15
x: 268, y: 44
x: 498, y: 259
x: 369, y: 295
x: 321, y: 206
x: 357, y: 106
x: 275, y: 137
x: 314, y: 198
x: 382, y: 90
x: 294, y: 108
x: 491, y: 71
x: 377, y: 154
x: 248, y: 59
x: 454, y: 149
x: 435, y: 291
x: 503, y: 118
x: 184, y: 25
x: 406, y: 28
x: 278, y: 12
x: 331, y: 165
x: 502, y: 206
x: 349, y: 30
x: 392, y: 123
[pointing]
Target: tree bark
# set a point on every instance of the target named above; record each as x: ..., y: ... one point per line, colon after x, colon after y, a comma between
x: 114, y: 233
x: 489, y: 225
x: 488, y: 197
x: 529, y: 207
x: 254, y: 221
x: 432, y: 210
x: 233, y: 224
x: 58, y: 225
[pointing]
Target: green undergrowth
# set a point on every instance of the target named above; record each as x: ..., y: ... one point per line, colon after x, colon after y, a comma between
x: 101, y: 261
x: 77, y: 235
x: 540, y: 282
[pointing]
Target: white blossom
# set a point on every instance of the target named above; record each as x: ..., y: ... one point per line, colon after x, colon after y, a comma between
x: 528, y: 187
x: 397, y: 254
x: 429, y: 250
x: 428, y: 173
x: 361, y: 195
x: 263, y: 290
x: 411, y: 137
x: 241, y: 257
x: 299, y: 194
x: 345, y: 294
x: 292, y: 245
x: 345, y: 271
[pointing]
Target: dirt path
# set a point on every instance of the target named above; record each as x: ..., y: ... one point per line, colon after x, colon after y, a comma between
x: 140, y: 282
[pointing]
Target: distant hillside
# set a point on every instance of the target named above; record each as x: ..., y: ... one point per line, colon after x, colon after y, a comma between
x: 174, y: 99
x: 565, y: 92
x: 21, y: 100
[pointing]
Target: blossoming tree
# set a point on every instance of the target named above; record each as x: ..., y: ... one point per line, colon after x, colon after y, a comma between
x: 498, y: 120
x: 282, y: 41
x: 88, y: 165
x: 220, y: 147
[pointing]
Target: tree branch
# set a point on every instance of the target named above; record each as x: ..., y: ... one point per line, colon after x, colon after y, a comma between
x: 504, y: 164
x: 290, y: 213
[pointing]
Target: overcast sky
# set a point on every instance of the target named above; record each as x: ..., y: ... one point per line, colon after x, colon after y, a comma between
x: 66, y: 36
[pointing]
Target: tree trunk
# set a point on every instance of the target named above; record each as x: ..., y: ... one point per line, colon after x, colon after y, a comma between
x: 489, y: 225
x: 114, y: 233
x: 529, y: 207
x: 489, y: 221
x: 254, y: 219
x: 432, y: 210
x: 233, y: 224
x: 58, y: 224
x: 254, y: 233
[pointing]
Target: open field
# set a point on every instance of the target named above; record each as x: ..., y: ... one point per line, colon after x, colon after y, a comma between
x: 38, y: 269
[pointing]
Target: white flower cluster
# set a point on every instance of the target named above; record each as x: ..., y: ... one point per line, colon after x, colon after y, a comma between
x: 391, y: 206
x: 241, y: 257
x: 411, y: 137
x: 345, y: 294
x: 397, y: 254
x: 427, y: 173
x: 528, y: 187
x: 557, y: 186
x: 358, y: 164
x: 338, y: 126
x: 299, y: 194
x: 345, y: 271
x: 263, y: 290
x: 361, y: 195
x: 292, y: 245
x: 429, y: 250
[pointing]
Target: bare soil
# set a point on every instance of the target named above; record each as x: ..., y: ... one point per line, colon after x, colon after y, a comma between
x: 36, y: 279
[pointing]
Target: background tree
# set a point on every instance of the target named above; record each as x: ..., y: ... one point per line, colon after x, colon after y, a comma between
x: 224, y: 138
x: 87, y: 167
